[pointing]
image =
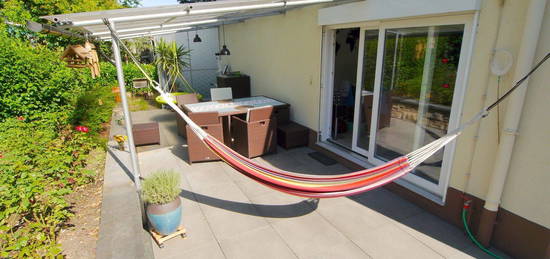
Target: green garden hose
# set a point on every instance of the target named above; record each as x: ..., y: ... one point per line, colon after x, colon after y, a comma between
x: 464, y: 216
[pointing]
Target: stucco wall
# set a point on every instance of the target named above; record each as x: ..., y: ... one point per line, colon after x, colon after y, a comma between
x: 475, y: 150
x: 283, y: 56
x: 527, y: 191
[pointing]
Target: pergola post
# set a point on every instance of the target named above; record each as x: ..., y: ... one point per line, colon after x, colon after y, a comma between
x: 127, y: 117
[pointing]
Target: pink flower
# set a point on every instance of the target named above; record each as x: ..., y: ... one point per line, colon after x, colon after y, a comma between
x: 82, y: 129
x: 444, y: 60
x: 445, y: 85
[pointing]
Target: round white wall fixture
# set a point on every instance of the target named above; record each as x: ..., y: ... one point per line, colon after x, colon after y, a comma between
x: 502, y: 62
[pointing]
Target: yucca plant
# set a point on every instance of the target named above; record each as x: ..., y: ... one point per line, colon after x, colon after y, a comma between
x: 161, y: 187
x: 173, y: 59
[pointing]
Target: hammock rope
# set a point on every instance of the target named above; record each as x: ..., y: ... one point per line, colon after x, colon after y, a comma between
x: 322, y: 186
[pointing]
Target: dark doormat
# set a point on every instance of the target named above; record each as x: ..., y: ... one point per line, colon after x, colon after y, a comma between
x: 325, y: 160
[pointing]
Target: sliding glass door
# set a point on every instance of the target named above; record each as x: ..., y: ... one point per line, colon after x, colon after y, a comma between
x: 364, y: 95
x: 406, y: 84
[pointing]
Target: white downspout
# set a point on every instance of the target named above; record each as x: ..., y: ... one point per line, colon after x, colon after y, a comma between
x: 526, y: 56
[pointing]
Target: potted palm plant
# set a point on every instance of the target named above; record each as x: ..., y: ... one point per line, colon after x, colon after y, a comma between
x: 161, y: 193
x: 173, y: 60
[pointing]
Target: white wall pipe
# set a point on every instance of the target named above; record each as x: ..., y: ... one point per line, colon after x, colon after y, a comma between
x: 526, y: 57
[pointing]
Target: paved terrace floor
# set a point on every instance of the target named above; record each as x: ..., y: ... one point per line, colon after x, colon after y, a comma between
x: 228, y: 215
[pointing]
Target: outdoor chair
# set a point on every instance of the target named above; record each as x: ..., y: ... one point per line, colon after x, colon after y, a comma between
x: 196, y: 149
x: 255, y: 134
x: 224, y: 93
x: 181, y: 101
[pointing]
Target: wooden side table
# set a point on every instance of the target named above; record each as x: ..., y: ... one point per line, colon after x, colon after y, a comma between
x: 146, y: 133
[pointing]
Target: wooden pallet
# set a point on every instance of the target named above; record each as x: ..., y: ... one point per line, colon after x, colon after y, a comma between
x: 160, y: 239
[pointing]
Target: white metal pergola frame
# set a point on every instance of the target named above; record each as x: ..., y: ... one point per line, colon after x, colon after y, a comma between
x: 152, y: 21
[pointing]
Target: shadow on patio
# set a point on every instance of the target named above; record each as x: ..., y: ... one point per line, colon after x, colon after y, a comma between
x: 228, y: 215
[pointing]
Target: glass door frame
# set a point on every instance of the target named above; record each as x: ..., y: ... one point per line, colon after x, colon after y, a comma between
x: 411, y: 181
x: 357, y: 114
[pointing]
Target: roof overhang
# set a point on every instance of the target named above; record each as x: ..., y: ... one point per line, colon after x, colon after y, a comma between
x: 144, y: 21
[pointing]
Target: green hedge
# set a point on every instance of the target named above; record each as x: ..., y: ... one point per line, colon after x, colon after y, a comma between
x: 42, y: 156
x: 34, y: 80
x: 131, y: 72
x: 42, y: 160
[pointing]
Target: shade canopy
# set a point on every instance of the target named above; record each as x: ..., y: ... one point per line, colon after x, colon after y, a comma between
x: 144, y: 21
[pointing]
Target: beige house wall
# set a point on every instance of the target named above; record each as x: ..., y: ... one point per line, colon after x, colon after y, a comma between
x: 282, y: 54
x: 527, y: 191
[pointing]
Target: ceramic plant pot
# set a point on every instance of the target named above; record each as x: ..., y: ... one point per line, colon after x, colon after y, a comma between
x: 165, y: 218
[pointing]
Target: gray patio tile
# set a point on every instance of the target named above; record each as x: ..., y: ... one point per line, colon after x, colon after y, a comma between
x: 207, y: 250
x: 310, y: 236
x: 189, y: 205
x: 232, y: 224
x: 248, y: 186
x: 441, y: 236
x: 474, y: 252
x: 281, y: 160
x: 206, y: 176
x: 346, y: 250
x: 198, y: 235
x: 262, y: 243
x: 252, y: 188
x: 222, y: 198
x: 275, y: 207
x: 389, y: 241
x: 228, y: 210
x: 388, y: 204
x: 351, y: 218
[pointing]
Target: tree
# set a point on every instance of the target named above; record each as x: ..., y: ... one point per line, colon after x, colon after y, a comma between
x: 130, y: 3
x: 21, y: 11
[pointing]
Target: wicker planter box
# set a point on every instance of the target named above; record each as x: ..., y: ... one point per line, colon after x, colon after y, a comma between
x: 292, y: 135
x: 146, y: 133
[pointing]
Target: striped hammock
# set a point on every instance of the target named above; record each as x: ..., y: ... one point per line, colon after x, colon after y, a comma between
x: 324, y: 186
x: 317, y: 186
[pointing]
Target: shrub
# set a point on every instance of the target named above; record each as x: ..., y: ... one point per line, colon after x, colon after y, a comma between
x: 161, y: 187
x: 41, y: 160
x: 131, y: 72
x: 33, y: 80
x: 94, y: 107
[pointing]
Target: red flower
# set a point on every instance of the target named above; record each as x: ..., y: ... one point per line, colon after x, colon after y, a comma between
x: 82, y: 129
x: 20, y: 118
x: 71, y: 180
x: 444, y: 60
x: 445, y: 85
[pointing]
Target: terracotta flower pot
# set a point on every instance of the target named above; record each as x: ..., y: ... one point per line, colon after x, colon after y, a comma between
x: 165, y: 218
